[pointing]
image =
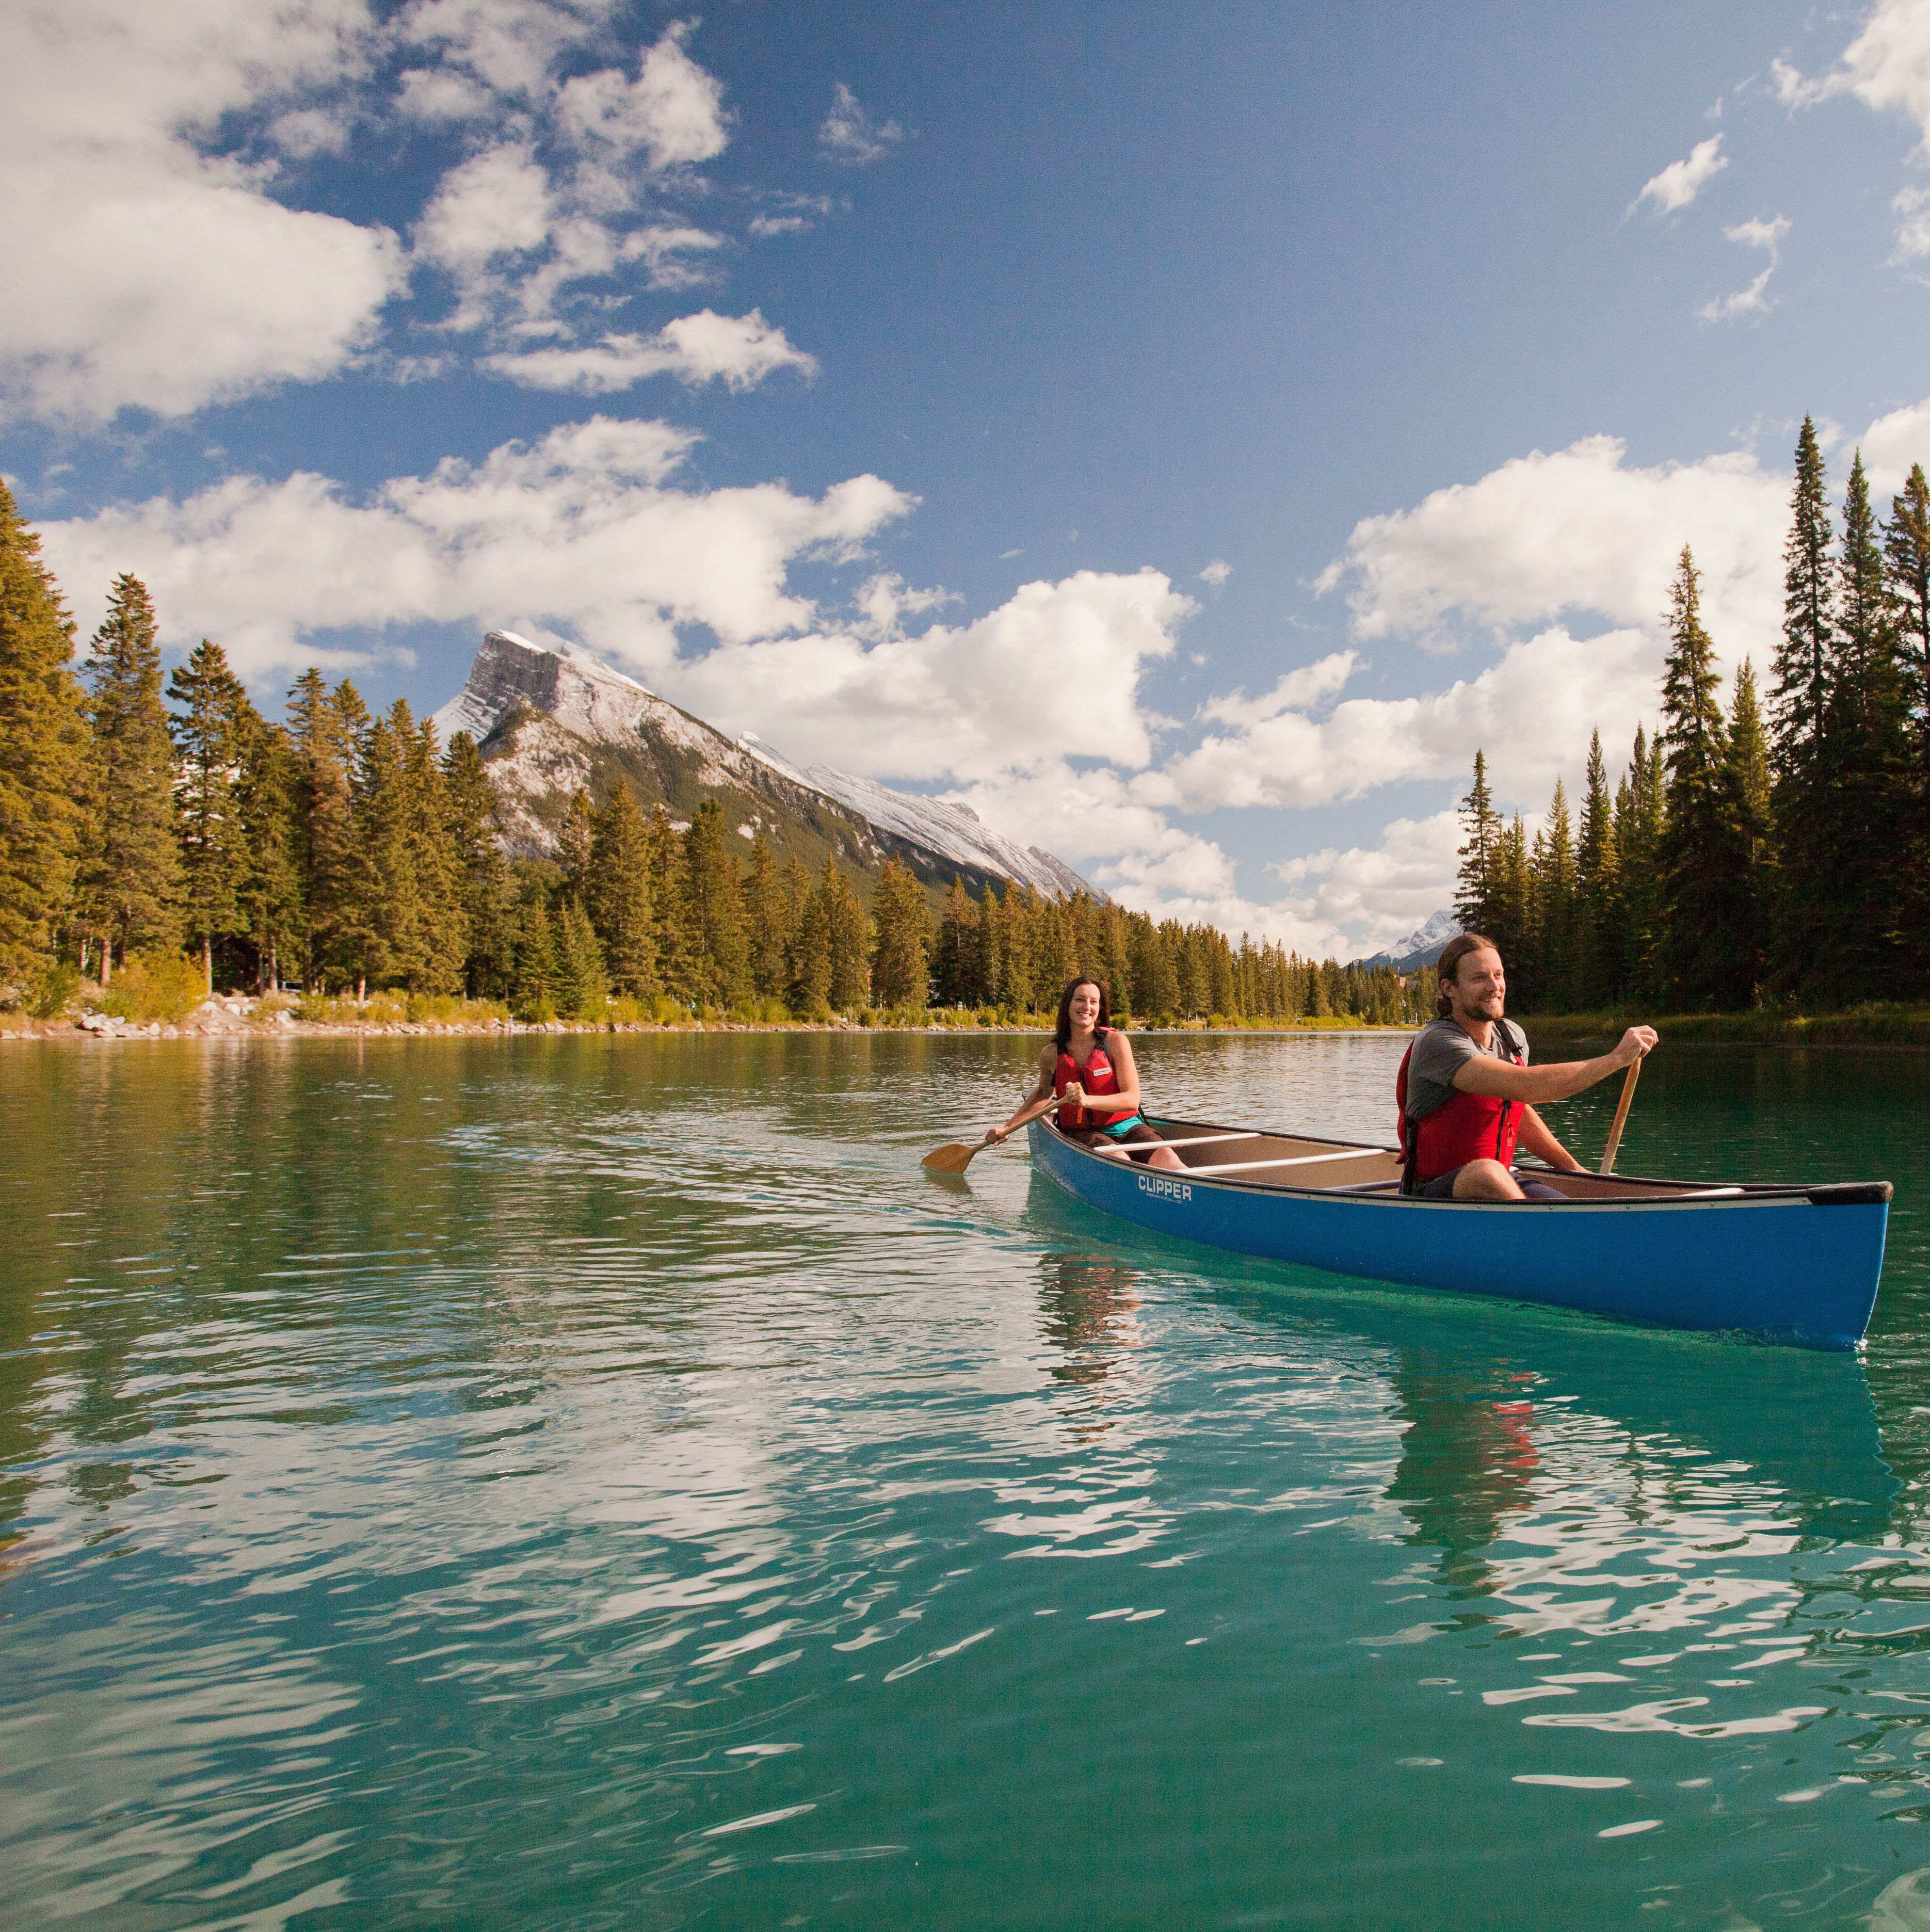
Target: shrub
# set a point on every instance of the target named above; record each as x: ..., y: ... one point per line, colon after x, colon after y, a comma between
x: 161, y: 986
x: 446, y: 1009
x: 339, y: 1008
x: 53, y: 991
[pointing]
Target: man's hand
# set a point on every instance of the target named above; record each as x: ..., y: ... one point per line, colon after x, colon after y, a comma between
x: 1635, y: 1042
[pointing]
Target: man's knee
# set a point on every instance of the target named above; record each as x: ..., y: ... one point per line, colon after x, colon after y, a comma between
x: 1485, y: 1180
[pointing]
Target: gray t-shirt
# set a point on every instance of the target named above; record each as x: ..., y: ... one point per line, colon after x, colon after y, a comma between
x: 1441, y: 1051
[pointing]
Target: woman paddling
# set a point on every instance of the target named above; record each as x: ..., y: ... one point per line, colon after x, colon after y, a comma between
x: 1090, y: 1060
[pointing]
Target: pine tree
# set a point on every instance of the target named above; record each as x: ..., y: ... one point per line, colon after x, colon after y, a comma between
x: 1556, y: 908
x: 670, y: 900
x: 720, y: 956
x: 41, y: 753
x: 1598, y: 886
x: 954, y: 964
x: 487, y: 899
x: 1477, y: 890
x: 1867, y: 774
x: 582, y: 987
x: 903, y: 920
x: 574, y: 837
x: 381, y: 939
x: 539, y: 972
x: 130, y: 875
x: 269, y: 895
x: 988, y: 960
x: 436, y: 863
x: 1747, y: 804
x: 1696, y: 859
x: 621, y: 908
x: 323, y: 820
x: 1907, y: 569
x: 848, y: 940
x: 208, y: 736
x: 1638, y: 833
x: 767, y: 923
x: 808, y: 995
x: 1804, y: 675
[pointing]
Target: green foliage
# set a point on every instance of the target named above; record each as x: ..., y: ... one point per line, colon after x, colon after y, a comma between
x: 42, y: 753
x: 582, y: 986
x: 622, y: 907
x: 128, y: 892
x: 898, y: 976
x: 54, y: 990
x: 164, y: 986
x: 717, y: 953
x: 214, y: 723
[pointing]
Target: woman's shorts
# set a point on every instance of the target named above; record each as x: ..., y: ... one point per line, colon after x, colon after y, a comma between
x: 1442, y: 1188
x: 1122, y: 1134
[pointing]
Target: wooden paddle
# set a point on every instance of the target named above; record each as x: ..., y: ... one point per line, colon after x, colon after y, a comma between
x: 1621, y: 1114
x: 955, y: 1157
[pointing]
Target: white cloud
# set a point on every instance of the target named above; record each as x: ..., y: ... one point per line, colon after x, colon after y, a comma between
x: 1681, y: 181
x: 672, y: 111
x: 1531, y: 711
x: 739, y: 351
x: 489, y: 209
x: 164, y: 277
x: 1052, y: 673
x: 509, y: 46
x: 763, y: 227
x: 1368, y: 896
x: 1545, y: 537
x: 1750, y: 301
x: 1886, y: 67
x: 850, y: 134
x: 1216, y: 573
x: 665, y: 249
x: 1911, y: 207
x: 1298, y: 690
x: 584, y: 533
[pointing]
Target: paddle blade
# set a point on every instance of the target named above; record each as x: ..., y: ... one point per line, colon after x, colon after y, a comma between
x: 954, y: 1159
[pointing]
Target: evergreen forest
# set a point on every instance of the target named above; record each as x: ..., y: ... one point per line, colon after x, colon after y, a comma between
x: 345, y: 853
x: 1770, y: 851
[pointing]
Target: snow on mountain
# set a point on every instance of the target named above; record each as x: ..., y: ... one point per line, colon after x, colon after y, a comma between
x: 562, y: 702
x: 1421, y: 947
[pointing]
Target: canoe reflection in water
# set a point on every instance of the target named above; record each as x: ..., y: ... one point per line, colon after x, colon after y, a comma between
x: 1467, y: 1462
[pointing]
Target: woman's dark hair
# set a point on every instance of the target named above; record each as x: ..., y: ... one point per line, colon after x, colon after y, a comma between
x: 1449, y: 966
x: 1062, y: 1033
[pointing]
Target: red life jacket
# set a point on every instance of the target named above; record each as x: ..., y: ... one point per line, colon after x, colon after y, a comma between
x: 1097, y: 1077
x: 1469, y: 1126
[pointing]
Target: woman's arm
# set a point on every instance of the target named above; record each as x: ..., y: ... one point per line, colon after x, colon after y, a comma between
x: 1041, y: 1087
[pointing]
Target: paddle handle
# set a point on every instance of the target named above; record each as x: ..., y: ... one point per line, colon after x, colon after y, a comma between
x: 1038, y: 1107
x: 1621, y: 1114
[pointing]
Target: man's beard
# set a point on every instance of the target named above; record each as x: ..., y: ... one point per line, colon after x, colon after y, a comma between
x: 1488, y: 1009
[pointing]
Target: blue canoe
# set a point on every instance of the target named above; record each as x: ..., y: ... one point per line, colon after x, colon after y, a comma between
x: 1792, y: 1264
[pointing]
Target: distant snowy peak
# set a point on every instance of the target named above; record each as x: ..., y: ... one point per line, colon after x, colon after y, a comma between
x: 1421, y: 947
x: 577, y: 694
x: 953, y: 831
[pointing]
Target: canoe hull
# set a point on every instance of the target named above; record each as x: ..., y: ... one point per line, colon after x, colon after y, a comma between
x: 1784, y: 1269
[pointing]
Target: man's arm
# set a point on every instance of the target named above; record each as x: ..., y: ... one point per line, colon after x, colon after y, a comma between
x: 1501, y: 1079
x: 1536, y: 1138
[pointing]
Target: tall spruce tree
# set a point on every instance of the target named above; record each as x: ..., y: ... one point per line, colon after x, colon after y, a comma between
x: 670, y: 900
x: 538, y: 971
x: 1696, y: 858
x: 1557, y: 911
x: 954, y: 963
x: 210, y: 731
x: 1639, y: 820
x: 443, y: 931
x: 989, y: 960
x: 1598, y: 888
x: 847, y: 939
x: 621, y: 907
x: 1906, y: 545
x: 574, y: 838
x: 1802, y: 678
x: 42, y: 754
x: 809, y: 993
x: 269, y: 895
x: 582, y: 987
x: 1477, y: 888
x: 720, y: 954
x: 903, y: 921
x: 322, y: 821
x: 1751, y: 829
x: 487, y: 890
x: 129, y: 885
x: 767, y: 922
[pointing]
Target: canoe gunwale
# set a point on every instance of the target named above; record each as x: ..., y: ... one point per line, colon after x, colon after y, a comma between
x: 1684, y: 1194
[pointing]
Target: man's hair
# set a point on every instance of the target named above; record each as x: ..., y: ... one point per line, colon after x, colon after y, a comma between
x: 1449, y: 966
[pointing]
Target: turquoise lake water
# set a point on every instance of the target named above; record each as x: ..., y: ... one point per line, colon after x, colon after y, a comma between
x: 602, y: 1482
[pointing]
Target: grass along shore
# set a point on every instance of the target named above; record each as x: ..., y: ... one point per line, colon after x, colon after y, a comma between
x: 1876, y: 1025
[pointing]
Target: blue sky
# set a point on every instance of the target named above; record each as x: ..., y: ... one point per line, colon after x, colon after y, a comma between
x: 1184, y: 433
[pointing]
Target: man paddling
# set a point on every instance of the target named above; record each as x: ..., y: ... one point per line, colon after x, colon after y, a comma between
x: 1466, y: 1092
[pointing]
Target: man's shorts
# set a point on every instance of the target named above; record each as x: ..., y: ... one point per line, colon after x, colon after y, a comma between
x: 1442, y: 1188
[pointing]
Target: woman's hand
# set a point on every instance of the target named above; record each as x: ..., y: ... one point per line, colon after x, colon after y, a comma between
x: 995, y: 1137
x: 1074, y: 1095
